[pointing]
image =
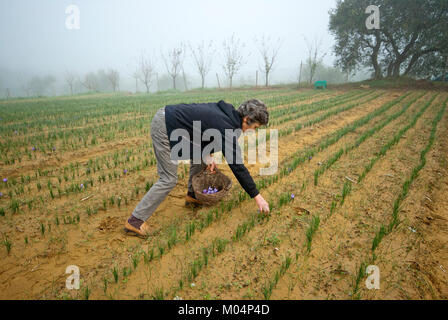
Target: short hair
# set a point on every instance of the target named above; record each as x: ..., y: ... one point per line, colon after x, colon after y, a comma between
x: 255, y: 110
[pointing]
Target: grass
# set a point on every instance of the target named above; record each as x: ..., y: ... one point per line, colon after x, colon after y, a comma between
x: 159, y: 294
x: 7, y: 244
x: 205, y: 254
x: 329, y: 140
x: 345, y: 191
x: 267, y: 181
x: 385, y: 230
x: 270, y: 285
x: 115, y: 274
x: 312, y: 228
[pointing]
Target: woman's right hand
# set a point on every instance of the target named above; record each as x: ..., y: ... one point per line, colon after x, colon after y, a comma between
x: 262, y: 205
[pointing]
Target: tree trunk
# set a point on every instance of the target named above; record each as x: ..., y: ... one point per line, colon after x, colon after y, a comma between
x: 267, y: 78
x: 389, y: 69
x: 185, y: 79
x: 217, y: 78
x: 446, y: 68
x: 397, y: 67
x: 376, y: 49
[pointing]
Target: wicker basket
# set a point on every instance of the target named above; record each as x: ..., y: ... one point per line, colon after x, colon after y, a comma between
x: 205, y: 179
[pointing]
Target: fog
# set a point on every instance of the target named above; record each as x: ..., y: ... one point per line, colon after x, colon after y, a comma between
x: 35, y: 40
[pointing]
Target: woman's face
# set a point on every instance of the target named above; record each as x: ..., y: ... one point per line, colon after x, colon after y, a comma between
x: 246, y: 126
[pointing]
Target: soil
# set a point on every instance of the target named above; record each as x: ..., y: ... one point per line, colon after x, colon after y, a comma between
x: 413, y: 259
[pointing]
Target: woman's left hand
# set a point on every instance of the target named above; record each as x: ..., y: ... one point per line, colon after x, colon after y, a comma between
x: 211, y: 165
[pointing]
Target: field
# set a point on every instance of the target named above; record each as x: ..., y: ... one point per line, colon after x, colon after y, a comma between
x: 362, y: 181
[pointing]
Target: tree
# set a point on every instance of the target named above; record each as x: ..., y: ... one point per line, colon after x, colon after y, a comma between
x: 314, y: 58
x: 136, y: 76
x: 145, y: 71
x: 203, y: 56
x: 39, y: 86
x: 233, y: 58
x: 174, y: 62
x: 90, y: 82
x: 70, y: 79
x: 114, y: 78
x: 410, y: 32
x: 269, y: 55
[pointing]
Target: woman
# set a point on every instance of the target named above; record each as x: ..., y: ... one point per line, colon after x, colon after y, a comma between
x: 180, y: 125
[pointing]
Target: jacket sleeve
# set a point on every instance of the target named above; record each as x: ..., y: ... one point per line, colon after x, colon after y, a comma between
x: 232, y: 153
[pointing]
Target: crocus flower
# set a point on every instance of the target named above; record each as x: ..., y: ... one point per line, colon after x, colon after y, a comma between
x: 1, y: 194
x: 82, y: 186
x: 125, y: 171
x: 54, y: 149
x: 292, y: 196
x: 33, y: 148
x: 5, y: 179
x: 204, y: 191
x: 310, y: 157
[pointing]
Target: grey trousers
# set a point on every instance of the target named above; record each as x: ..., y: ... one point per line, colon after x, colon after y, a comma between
x: 166, y: 169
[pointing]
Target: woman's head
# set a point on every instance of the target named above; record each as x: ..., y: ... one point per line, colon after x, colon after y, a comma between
x: 254, y: 114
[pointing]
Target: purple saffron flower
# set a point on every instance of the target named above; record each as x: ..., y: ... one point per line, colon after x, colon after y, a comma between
x: 5, y: 179
x: 82, y: 186
x: 310, y: 157
x: 54, y: 149
x: 1, y: 194
x: 125, y: 171
x: 205, y: 191
x: 33, y: 148
x: 293, y: 196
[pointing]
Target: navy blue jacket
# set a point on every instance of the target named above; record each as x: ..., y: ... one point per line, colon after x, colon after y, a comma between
x: 219, y: 116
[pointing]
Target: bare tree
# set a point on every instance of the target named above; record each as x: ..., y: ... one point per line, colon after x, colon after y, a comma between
x: 135, y: 75
x: 27, y: 88
x: 233, y: 58
x: 269, y: 51
x: 70, y: 79
x: 90, y: 82
x: 203, y: 56
x: 174, y: 62
x: 145, y: 71
x: 40, y: 85
x: 314, y: 57
x: 114, y: 78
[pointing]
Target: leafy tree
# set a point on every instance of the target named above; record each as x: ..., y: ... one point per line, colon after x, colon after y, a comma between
x: 412, y: 32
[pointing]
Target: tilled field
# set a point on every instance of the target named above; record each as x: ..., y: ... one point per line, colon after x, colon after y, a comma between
x: 362, y: 181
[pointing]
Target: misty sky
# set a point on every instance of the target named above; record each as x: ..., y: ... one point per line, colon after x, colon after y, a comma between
x: 113, y: 33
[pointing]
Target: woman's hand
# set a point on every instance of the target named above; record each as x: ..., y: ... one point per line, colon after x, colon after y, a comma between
x: 262, y: 205
x: 211, y: 165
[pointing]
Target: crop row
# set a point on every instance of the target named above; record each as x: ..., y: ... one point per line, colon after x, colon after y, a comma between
x: 344, y: 150
x: 385, y: 230
x: 225, y: 207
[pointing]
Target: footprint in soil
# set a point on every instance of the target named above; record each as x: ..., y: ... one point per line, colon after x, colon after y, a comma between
x: 110, y: 223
